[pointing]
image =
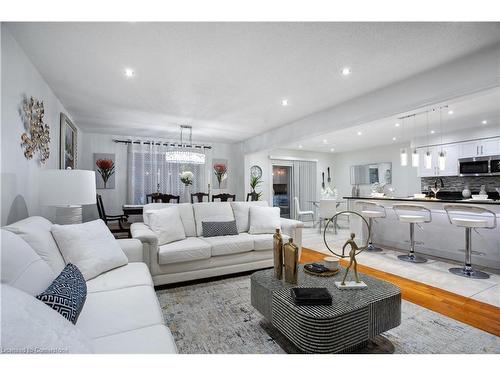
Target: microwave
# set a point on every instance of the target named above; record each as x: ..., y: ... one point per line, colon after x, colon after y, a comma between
x: 480, y: 166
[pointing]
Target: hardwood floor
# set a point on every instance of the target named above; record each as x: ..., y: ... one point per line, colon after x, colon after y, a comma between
x: 466, y: 310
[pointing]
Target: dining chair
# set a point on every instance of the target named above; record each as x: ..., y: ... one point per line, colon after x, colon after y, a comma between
x: 224, y: 197
x: 166, y: 198
x: 299, y: 213
x: 199, y: 197
x: 153, y: 198
x: 122, y: 220
x: 327, y: 209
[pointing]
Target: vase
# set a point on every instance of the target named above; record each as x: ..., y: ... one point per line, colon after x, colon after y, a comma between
x: 278, y: 254
x: 466, y: 192
x: 187, y: 194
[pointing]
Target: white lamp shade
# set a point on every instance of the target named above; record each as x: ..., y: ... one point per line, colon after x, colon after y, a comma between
x: 66, y: 187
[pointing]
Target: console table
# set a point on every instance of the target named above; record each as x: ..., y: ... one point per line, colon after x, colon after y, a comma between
x: 132, y: 209
x: 354, y: 318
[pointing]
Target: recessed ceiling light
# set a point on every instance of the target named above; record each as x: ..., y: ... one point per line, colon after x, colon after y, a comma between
x: 360, y: 132
x: 284, y: 102
x: 396, y: 124
x: 450, y: 112
x: 433, y: 131
x: 484, y: 122
x: 346, y: 71
x: 300, y: 146
x: 325, y: 141
x: 129, y: 72
x: 332, y: 149
x: 393, y: 138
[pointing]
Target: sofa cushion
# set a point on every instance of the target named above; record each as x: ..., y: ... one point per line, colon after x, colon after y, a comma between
x: 30, y: 326
x: 264, y: 241
x: 211, y: 211
x: 155, y: 339
x: 229, y: 244
x: 35, y: 230
x: 191, y: 248
x: 219, y: 228
x: 264, y: 220
x: 22, y: 267
x: 67, y: 293
x: 132, y: 274
x: 185, y: 211
x: 166, y: 223
x: 89, y: 246
x: 241, y: 211
x: 120, y: 310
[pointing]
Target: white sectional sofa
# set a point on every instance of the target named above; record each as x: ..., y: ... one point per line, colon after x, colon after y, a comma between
x: 197, y: 257
x: 121, y: 313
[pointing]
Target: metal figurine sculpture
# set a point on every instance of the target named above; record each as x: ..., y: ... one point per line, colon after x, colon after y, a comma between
x: 354, y: 250
x: 352, y: 256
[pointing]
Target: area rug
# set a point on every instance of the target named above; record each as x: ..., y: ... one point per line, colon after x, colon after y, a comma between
x: 217, y: 317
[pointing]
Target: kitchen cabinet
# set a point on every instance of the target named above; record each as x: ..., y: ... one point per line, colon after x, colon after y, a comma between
x: 484, y: 147
x: 451, y: 152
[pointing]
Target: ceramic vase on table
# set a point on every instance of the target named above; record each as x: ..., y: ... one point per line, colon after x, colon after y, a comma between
x: 187, y: 194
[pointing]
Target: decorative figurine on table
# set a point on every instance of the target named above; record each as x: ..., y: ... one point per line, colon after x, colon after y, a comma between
x: 354, y: 250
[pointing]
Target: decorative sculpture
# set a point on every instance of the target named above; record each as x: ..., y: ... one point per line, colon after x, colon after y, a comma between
x: 37, y: 137
x: 354, y: 250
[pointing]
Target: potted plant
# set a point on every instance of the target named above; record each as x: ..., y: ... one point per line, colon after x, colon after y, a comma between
x: 106, y: 168
x: 254, y: 183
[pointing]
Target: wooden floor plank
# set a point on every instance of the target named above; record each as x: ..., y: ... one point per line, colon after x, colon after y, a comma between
x: 466, y: 310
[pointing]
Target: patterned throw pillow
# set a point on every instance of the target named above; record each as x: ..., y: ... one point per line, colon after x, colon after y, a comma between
x: 219, y: 228
x: 67, y: 293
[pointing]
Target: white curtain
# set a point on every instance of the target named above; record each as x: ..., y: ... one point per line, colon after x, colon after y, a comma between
x: 147, y: 168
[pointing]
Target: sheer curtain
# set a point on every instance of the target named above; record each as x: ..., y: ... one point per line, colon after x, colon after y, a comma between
x: 147, y: 168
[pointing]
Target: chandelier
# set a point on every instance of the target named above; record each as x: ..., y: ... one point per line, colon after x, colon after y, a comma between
x: 185, y: 153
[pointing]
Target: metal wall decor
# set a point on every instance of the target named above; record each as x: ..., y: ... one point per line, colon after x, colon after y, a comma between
x: 37, y: 137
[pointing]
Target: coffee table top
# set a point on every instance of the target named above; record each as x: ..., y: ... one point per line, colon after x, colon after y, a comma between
x: 344, y: 301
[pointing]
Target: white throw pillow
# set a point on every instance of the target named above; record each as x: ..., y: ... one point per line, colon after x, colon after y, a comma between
x: 241, y: 212
x: 35, y: 230
x: 29, y: 326
x: 167, y: 224
x: 89, y: 246
x: 264, y: 219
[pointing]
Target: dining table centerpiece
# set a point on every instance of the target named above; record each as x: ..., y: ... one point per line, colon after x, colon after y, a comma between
x: 186, y: 178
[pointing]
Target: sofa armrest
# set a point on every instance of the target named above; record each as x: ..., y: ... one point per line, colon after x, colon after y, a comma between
x: 293, y: 228
x: 132, y: 249
x: 149, y: 239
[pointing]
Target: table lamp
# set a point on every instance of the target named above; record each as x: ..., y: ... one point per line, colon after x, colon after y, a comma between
x: 67, y: 190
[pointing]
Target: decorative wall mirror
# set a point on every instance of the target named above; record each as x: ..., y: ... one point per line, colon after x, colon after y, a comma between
x: 371, y: 173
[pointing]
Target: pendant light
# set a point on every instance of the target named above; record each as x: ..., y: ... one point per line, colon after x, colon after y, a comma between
x: 442, y: 156
x: 185, y: 153
x: 403, y: 155
x: 427, y: 156
x: 414, y: 154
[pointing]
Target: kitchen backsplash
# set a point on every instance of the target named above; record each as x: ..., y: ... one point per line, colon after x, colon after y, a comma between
x: 457, y: 183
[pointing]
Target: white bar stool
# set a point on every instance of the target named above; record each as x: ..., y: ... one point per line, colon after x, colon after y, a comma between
x: 371, y: 210
x: 419, y: 214
x: 460, y: 215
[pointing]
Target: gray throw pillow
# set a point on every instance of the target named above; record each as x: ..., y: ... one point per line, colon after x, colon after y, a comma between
x: 219, y: 228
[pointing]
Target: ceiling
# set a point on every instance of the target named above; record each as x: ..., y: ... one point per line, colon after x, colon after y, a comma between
x: 467, y: 113
x: 227, y: 80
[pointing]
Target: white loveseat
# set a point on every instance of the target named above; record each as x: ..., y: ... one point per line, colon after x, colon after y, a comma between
x: 197, y: 257
x: 121, y: 313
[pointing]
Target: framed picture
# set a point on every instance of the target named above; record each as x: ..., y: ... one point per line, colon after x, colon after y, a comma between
x: 219, y: 173
x: 68, y: 144
x: 104, y: 166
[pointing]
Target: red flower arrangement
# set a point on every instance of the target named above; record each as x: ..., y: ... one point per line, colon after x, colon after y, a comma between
x: 106, y: 168
x: 220, y: 171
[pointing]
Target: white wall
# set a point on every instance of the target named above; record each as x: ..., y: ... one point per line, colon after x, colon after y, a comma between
x: 404, y: 179
x: 19, y: 176
x: 113, y: 199
x: 262, y: 159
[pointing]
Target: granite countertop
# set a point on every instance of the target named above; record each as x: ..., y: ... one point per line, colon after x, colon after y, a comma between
x: 429, y: 200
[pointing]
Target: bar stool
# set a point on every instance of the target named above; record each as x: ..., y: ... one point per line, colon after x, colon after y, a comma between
x: 459, y: 215
x: 371, y: 210
x: 419, y: 214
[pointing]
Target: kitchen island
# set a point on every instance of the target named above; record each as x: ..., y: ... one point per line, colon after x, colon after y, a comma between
x: 437, y: 238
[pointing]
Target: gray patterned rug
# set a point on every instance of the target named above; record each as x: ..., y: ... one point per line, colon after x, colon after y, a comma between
x: 216, y: 317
